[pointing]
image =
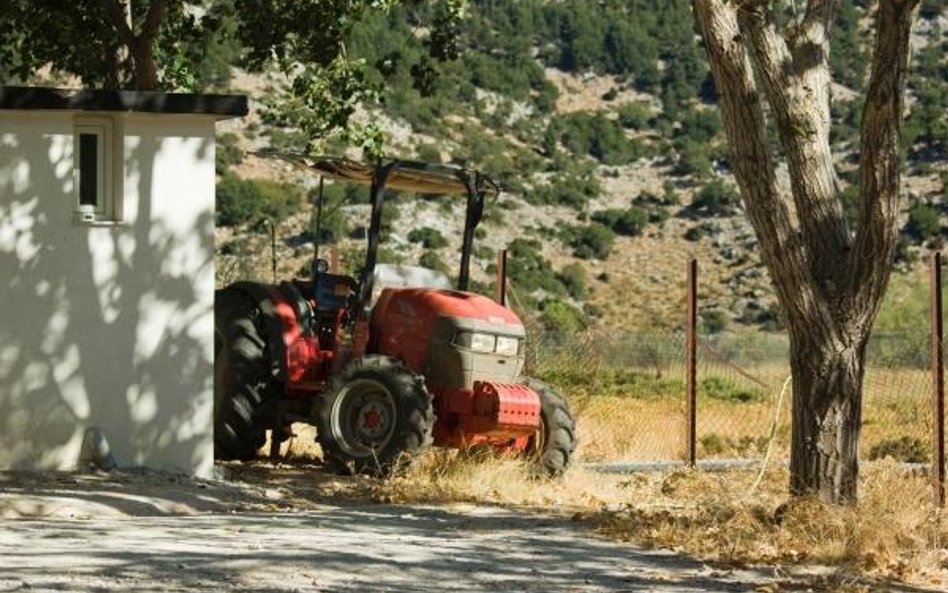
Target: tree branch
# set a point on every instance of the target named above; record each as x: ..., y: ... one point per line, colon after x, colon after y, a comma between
x: 744, y: 122
x: 797, y: 88
x: 153, y: 20
x: 880, y: 163
x: 817, y: 25
x: 117, y: 16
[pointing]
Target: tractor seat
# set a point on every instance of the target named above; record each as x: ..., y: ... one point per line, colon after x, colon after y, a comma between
x: 395, y: 276
x: 333, y: 291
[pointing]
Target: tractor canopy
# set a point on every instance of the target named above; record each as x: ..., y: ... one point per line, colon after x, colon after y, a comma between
x: 410, y: 176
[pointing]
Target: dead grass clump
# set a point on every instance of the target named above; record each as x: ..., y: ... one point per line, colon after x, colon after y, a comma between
x: 892, y: 531
x: 446, y: 476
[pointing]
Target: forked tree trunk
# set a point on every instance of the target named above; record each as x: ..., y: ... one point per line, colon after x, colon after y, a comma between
x: 136, y: 67
x: 829, y: 278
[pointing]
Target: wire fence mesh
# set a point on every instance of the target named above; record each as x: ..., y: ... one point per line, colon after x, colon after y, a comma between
x: 628, y: 392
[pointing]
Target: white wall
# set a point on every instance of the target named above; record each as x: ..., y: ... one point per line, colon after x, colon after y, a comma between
x: 107, y: 326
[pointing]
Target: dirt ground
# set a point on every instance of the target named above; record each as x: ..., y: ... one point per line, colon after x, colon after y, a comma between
x: 296, y: 528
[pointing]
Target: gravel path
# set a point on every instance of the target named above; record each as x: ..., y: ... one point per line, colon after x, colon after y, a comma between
x: 345, y: 548
x: 279, y: 531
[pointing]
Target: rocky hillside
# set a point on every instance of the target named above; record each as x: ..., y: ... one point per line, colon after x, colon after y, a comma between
x: 599, y: 123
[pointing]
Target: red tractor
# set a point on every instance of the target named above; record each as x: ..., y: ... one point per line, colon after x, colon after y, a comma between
x: 386, y: 364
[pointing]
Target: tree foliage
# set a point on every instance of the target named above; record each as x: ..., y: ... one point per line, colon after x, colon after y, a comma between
x: 242, y: 201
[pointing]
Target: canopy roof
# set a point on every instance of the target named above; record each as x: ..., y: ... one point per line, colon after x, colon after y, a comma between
x: 410, y: 176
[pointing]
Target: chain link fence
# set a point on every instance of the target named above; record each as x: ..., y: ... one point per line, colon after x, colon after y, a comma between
x: 628, y: 392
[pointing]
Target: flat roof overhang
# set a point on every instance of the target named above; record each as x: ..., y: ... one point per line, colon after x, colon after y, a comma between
x: 43, y: 98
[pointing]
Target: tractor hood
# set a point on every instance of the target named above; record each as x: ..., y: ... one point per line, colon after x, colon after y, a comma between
x: 425, y: 304
x: 432, y: 331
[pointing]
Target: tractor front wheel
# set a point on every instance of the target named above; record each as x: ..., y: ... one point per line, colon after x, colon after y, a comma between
x: 553, y: 445
x: 375, y: 415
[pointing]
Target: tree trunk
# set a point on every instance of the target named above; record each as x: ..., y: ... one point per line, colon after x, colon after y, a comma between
x: 145, y: 77
x: 139, y: 49
x: 829, y: 277
x: 827, y: 415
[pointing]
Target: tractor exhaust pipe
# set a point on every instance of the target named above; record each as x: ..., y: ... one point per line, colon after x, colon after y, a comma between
x: 319, y: 223
x: 500, y: 289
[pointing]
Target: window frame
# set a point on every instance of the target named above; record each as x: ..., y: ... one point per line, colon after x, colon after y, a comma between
x: 102, y: 128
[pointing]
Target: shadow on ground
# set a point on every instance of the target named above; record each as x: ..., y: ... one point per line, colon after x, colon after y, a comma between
x: 170, y: 533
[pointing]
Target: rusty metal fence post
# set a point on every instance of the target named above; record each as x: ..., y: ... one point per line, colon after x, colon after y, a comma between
x: 938, y: 384
x: 691, y: 364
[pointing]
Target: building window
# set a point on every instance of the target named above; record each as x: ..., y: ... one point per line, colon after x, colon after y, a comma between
x: 94, y: 170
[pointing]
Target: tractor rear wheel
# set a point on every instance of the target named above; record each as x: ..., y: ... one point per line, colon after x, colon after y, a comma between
x: 376, y: 415
x: 242, y: 377
x: 553, y: 445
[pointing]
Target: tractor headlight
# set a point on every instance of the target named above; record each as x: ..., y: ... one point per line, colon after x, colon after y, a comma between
x: 475, y: 341
x: 507, y: 346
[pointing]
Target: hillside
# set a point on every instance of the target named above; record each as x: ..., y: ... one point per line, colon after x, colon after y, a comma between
x: 599, y: 124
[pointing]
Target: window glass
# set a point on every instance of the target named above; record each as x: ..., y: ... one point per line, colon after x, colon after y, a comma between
x: 89, y: 169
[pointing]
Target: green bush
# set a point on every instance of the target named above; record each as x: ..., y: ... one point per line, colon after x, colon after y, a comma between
x: 595, y: 135
x: 905, y: 449
x: 714, y: 322
x: 433, y: 261
x: 694, y: 159
x: 630, y: 222
x: 332, y: 227
x: 634, y: 115
x: 590, y: 242
x: 718, y: 198
x: 429, y: 153
x: 558, y: 316
x: 700, y: 125
x: 286, y: 140
x: 429, y: 238
x: 573, y: 277
x: 726, y: 389
x: 850, y: 199
x: 923, y: 222
x: 569, y: 190
x: 529, y: 271
x: 240, y: 201
x: 228, y: 153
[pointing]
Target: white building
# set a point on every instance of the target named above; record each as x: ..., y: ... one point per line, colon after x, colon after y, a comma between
x: 107, y: 276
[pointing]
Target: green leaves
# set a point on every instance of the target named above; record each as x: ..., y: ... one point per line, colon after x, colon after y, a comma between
x: 322, y: 102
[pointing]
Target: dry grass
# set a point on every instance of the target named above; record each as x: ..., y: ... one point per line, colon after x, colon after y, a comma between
x: 444, y: 476
x: 892, y: 533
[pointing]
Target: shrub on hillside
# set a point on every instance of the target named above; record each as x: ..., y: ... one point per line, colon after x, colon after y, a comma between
x: 561, y: 317
x: 634, y: 115
x: 595, y: 135
x: 573, y: 190
x: 529, y: 271
x: 228, y: 153
x: 433, y: 261
x: 429, y: 238
x: 590, y: 242
x: 573, y: 277
x: 700, y: 125
x: 630, y: 222
x: 718, y: 198
x: 923, y: 223
x: 694, y: 159
x: 240, y: 201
